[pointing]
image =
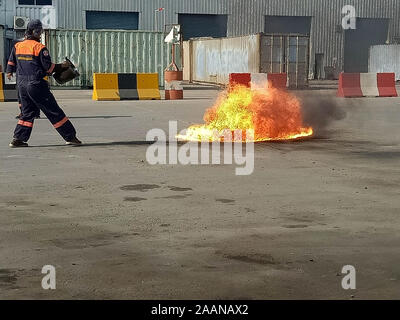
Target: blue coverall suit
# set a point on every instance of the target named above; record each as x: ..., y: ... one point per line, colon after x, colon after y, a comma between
x: 31, y: 61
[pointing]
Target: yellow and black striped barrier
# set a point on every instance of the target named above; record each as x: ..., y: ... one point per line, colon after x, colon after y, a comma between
x: 8, y: 90
x: 125, y: 86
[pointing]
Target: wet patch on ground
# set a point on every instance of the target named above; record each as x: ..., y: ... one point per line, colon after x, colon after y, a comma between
x: 8, y: 278
x: 147, y: 187
x: 225, y: 201
x: 139, y: 187
x: 179, y: 189
x: 134, y: 199
x: 177, y: 197
x: 295, y: 226
x: 301, y: 220
x: 262, y: 259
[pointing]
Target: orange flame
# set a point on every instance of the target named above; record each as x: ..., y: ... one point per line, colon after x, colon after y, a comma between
x: 271, y: 115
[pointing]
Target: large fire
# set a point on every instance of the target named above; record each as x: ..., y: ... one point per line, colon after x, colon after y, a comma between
x: 269, y: 113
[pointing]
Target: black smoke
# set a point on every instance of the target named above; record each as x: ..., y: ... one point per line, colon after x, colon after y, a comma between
x: 320, y: 112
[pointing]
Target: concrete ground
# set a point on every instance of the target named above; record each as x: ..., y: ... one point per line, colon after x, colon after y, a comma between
x: 116, y: 227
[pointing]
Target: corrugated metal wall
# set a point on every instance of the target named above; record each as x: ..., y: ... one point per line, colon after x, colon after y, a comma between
x: 7, y: 12
x: 29, y: 11
x: 326, y: 15
x: 110, y: 52
x: 245, y: 16
x: 47, y: 14
x: 385, y: 58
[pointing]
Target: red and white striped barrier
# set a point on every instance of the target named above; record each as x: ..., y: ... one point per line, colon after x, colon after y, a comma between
x: 258, y: 80
x: 353, y: 85
x: 173, y: 85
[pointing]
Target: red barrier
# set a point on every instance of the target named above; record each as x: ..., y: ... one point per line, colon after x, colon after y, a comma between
x: 243, y: 79
x: 275, y: 80
x: 387, y: 85
x: 350, y: 85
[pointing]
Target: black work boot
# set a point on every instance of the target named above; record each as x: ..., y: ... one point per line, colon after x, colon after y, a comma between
x: 18, y: 144
x: 74, y: 142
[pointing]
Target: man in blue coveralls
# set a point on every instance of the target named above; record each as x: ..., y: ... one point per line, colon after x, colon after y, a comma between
x: 31, y: 61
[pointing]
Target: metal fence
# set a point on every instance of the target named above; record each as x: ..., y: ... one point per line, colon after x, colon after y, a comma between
x: 288, y: 54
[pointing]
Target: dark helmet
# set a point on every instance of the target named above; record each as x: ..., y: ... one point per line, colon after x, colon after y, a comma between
x: 34, y: 28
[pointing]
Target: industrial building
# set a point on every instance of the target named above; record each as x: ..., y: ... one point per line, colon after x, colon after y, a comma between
x: 330, y: 47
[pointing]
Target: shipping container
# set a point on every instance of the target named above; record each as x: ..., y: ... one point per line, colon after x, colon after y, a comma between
x: 385, y: 58
x: 110, y: 51
x: 212, y: 60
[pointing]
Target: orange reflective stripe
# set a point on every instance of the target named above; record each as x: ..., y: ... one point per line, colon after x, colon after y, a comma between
x: 61, y: 123
x: 25, y: 123
x: 11, y: 63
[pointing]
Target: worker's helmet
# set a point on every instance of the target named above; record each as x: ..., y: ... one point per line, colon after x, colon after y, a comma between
x: 34, y: 28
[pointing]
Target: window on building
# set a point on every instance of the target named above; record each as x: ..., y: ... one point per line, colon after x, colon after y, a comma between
x: 203, y: 25
x: 35, y: 2
x: 288, y: 24
x: 112, y: 20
